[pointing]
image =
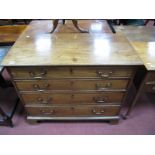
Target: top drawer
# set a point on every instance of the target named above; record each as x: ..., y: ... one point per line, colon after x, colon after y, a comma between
x: 70, y: 72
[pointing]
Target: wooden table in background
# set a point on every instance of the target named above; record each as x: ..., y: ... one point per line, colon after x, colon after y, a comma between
x: 142, y: 39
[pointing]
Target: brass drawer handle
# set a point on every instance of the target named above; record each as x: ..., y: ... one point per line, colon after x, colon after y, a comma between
x: 71, y: 70
x: 41, y: 100
x: 37, y: 87
x: 72, y: 108
x: 100, y: 99
x: 99, y: 112
x: 106, y: 86
x: 46, y: 86
x: 39, y: 76
x: 51, y: 112
x: 104, y: 75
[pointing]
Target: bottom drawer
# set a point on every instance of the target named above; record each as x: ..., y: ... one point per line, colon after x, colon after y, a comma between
x: 84, y: 110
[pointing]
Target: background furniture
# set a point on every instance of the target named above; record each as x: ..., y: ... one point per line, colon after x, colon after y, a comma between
x: 5, y: 119
x: 71, y: 76
x: 150, y: 20
x: 135, y: 22
x: 75, y: 23
x: 143, y: 41
x: 8, y: 35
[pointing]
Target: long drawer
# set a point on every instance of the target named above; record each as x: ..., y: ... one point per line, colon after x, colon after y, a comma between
x: 82, y: 110
x: 69, y: 72
x: 44, y: 85
x: 73, y: 98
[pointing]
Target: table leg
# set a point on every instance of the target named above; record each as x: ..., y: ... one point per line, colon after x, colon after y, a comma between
x: 139, y: 91
x: 75, y: 23
x: 7, y: 120
x: 111, y: 26
x: 55, y: 24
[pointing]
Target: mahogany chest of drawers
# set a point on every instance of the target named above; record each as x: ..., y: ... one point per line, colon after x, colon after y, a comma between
x: 71, y: 76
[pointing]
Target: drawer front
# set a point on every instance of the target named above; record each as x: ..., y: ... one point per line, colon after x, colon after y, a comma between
x: 150, y: 82
x: 73, y: 98
x: 73, y: 111
x: 149, y: 88
x: 150, y: 77
x: 69, y: 72
x: 45, y: 85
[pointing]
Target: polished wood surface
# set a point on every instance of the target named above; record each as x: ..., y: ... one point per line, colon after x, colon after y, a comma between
x: 9, y: 34
x: 39, y: 48
x: 142, y: 39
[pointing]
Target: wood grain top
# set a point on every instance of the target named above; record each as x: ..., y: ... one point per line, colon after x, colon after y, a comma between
x: 36, y: 47
x: 142, y: 39
x: 9, y: 34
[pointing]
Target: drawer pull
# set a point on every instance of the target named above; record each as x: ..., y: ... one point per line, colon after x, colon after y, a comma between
x: 37, y: 87
x: 99, y: 112
x: 46, y: 86
x: 101, y: 87
x: 71, y: 70
x: 104, y: 75
x: 47, y: 112
x: 72, y: 108
x: 39, y: 76
x: 41, y: 100
x: 100, y: 99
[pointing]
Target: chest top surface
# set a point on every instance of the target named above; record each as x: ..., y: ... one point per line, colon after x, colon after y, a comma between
x: 37, y: 47
x: 142, y: 39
